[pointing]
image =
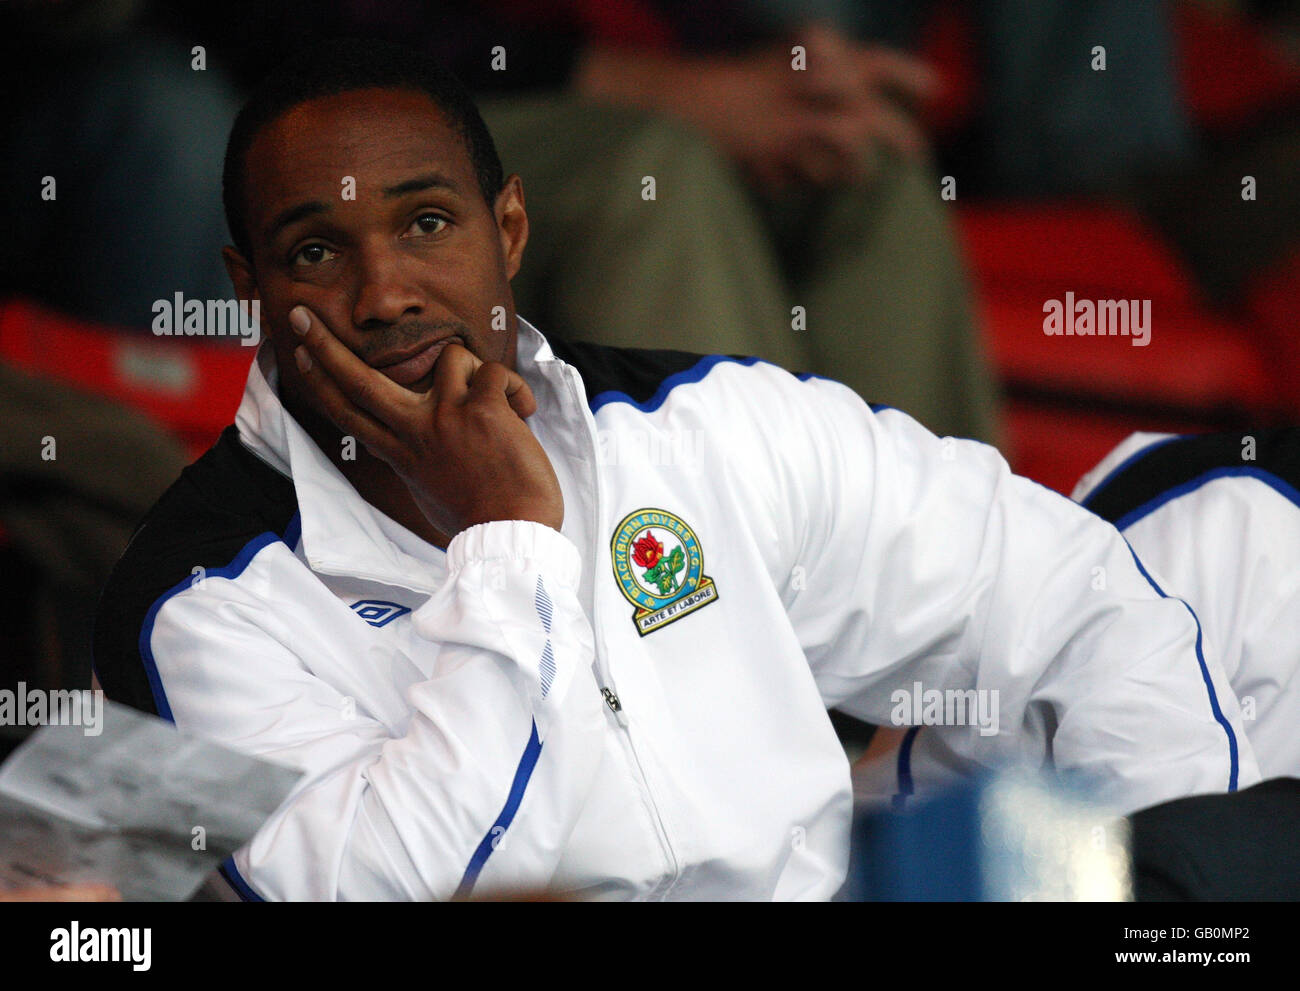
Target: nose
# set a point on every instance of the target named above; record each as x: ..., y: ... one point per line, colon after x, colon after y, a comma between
x: 387, y: 290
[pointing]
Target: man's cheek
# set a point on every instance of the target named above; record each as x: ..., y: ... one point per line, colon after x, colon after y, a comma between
x: 275, y: 318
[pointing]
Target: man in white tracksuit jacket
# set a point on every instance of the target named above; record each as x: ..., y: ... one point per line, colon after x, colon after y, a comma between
x: 1215, y: 518
x: 659, y: 571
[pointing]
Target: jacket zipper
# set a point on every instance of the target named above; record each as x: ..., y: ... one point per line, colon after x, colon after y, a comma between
x: 616, y: 707
x: 612, y: 701
x: 611, y: 698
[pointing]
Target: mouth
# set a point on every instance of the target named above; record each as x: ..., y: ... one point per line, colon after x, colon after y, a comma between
x: 409, y: 366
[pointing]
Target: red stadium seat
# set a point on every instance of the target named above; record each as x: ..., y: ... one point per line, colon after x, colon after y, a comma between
x: 189, y: 385
x: 1272, y: 301
x: 1073, y: 398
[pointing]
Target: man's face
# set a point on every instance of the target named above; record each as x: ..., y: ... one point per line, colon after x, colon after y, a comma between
x: 365, y: 208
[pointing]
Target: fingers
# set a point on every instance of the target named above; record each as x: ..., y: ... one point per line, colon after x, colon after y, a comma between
x: 831, y: 77
x: 898, y: 129
x: 453, y: 373
x: 345, y: 409
x: 351, y: 419
x: 460, y: 373
x: 843, y: 147
x: 520, y: 396
x: 844, y: 143
x: 493, y: 379
x: 367, y: 388
x: 905, y: 77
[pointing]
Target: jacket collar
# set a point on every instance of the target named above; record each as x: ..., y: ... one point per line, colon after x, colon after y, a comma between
x: 342, y: 534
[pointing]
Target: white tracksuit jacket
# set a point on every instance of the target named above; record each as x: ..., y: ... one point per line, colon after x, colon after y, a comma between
x: 635, y: 707
x: 1216, y: 520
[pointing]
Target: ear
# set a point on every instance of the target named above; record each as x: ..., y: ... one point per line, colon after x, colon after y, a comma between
x: 512, y: 223
x: 241, y: 274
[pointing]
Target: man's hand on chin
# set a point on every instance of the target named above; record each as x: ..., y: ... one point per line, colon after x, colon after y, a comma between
x: 462, y: 447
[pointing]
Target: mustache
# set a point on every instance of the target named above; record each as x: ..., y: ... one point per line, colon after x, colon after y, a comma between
x: 409, y: 334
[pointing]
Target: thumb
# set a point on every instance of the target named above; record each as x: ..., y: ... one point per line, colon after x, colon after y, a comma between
x: 520, y: 396
x: 492, y: 378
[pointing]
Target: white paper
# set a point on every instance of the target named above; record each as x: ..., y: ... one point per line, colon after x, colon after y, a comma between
x: 127, y: 807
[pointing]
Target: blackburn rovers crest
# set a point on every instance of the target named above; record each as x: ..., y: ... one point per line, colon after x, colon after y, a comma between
x: 659, y: 565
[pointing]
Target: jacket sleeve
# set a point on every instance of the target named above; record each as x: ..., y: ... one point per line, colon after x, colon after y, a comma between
x: 925, y: 565
x: 479, y: 791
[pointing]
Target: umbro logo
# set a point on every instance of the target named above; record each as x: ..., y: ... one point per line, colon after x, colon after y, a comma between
x: 378, y: 613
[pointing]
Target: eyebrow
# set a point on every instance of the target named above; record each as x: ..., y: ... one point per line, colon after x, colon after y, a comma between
x: 294, y: 214
x: 432, y: 180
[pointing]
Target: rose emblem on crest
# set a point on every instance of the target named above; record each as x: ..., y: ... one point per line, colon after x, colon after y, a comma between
x: 661, y: 571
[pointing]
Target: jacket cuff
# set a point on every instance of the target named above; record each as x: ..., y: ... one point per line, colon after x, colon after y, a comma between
x: 517, y: 540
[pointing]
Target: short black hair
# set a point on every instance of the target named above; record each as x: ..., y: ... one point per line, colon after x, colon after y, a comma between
x: 345, y: 65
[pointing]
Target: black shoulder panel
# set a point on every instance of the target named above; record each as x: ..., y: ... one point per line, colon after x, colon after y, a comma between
x: 1166, y: 466
x: 638, y: 372
x: 219, y: 503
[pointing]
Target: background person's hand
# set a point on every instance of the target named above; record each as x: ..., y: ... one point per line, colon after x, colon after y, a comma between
x: 821, y: 124
x: 860, y: 98
x: 462, y: 448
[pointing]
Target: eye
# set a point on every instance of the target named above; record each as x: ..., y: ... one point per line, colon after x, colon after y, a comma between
x: 312, y: 254
x: 428, y: 223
